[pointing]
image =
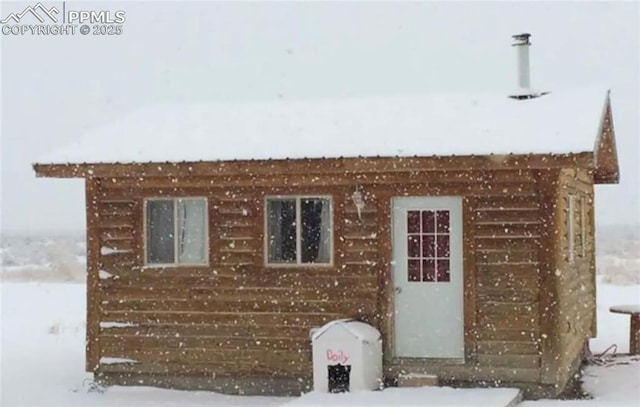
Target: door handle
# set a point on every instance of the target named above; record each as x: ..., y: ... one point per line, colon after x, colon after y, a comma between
x: 398, y: 290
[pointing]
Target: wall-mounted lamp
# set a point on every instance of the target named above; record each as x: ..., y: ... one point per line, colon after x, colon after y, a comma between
x: 358, y: 201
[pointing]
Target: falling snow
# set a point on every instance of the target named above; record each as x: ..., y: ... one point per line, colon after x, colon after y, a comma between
x: 44, y: 343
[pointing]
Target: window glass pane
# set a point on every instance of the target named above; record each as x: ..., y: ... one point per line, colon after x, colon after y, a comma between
x: 442, y: 221
x: 413, y: 246
x: 570, y: 228
x: 281, y: 231
x: 413, y: 270
x: 443, y: 246
x: 428, y: 270
x: 192, y: 231
x: 413, y: 222
x: 443, y: 270
x: 428, y: 246
x: 315, y: 232
x: 160, y: 247
x: 428, y: 221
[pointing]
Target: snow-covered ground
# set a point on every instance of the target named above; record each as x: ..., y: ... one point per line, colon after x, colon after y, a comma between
x: 42, y: 359
x: 43, y: 324
x: 46, y: 257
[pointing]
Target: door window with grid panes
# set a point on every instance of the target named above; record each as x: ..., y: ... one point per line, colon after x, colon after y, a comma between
x: 428, y: 246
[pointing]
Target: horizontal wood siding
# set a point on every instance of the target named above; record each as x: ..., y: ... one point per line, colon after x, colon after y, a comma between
x: 575, y: 276
x: 360, y: 238
x: 92, y: 189
x: 235, y: 226
x: 502, y: 242
x: 238, y: 316
x: 507, y: 243
x: 235, y: 316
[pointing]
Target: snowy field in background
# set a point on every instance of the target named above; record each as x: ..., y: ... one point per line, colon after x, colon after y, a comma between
x: 51, y: 257
x: 43, y: 325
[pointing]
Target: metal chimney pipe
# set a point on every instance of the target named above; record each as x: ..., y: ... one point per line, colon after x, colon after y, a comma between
x: 522, y: 44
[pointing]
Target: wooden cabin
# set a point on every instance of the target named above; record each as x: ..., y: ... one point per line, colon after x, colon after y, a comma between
x: 460, y: 226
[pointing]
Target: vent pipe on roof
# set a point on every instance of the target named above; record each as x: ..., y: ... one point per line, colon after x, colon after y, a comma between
x: 522, y: 44
x: 524, y: 91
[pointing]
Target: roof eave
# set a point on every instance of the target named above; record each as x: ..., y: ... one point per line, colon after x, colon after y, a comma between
x: 62, y: 170
x: 350, y: 165
x: 606, y: 166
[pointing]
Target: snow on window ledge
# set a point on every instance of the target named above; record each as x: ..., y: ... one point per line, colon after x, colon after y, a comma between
x: 113, y: 361
x: 105, y: 275
x: 109, y: 324
x: 105, y: 251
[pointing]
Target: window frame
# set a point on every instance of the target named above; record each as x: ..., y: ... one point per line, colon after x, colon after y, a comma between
x: 175, y: 264
x: 571, y: 229
x: 298, y: 263
x: 583, y: 225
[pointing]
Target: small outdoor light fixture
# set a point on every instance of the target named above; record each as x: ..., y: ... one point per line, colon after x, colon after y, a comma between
x: 358, y: 201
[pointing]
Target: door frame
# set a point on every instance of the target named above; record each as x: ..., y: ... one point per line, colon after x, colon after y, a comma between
x: 387, y: 324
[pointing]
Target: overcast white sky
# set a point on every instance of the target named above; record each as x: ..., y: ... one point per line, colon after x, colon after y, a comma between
x: 56, y: 88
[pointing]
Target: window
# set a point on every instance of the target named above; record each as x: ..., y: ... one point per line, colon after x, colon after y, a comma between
x: 428, y: 246
x: 583, y: 225
x: 176, y: 231
x: 577, y: 227
x: 299, y: 230
x: 571, y: 229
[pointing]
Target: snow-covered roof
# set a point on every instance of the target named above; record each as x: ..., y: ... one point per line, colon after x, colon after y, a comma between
x: 440, y: 124
x: 359, y: 330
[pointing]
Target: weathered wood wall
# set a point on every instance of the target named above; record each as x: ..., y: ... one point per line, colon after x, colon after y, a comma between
x: 236, y: 317
x: 502, y: 245
x: 576, y: 275
x: 233, y: 317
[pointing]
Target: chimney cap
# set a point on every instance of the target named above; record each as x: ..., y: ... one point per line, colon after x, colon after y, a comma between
x: 521, y: 39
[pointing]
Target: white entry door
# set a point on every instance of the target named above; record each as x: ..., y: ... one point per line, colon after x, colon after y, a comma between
x: 428, y: 277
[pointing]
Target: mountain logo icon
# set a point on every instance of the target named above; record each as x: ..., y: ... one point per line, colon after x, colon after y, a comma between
x: 37, y: 11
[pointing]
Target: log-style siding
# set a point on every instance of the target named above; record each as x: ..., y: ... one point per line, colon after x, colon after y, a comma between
x: 235, y: 316
x: 575, y: 274
x: 238, y: 317
x: 507, y: 267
